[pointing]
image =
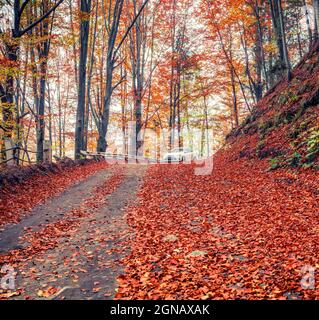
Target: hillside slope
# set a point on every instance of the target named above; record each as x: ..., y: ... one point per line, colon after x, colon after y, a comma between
x: 284, y: 126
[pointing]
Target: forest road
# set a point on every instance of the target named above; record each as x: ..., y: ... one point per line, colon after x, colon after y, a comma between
x: 85, y: 261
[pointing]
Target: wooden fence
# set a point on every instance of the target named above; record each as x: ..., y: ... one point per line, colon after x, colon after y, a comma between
x: 119, y: 157
x: 12, y: 153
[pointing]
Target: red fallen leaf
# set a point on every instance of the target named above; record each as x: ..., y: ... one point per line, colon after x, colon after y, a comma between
x: 121, y: 277
x: 173, y: 261
x: 95, y: 290
x: 9, y: 294
x: 50, y: 291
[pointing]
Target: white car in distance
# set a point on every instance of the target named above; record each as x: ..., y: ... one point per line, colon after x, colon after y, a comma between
x: 179, y: 155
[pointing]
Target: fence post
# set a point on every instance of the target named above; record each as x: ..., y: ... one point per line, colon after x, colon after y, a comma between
x: 9, y: 152
x: 47, y: 151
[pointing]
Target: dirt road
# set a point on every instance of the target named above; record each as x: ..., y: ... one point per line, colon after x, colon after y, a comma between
x: 87, y: 223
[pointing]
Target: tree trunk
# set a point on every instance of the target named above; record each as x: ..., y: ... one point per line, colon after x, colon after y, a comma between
x: 80, y: 114
x: 283, y: 65
x: 11, y: 52
x: 260, y: 43
x: 284, y: 41
x: 104, y: 121
x: 7, y: 98
x: 110, y: 61
x: 308, y: 23
x: 89, y: 80
x: 315, y: 4
x: 235, y: 106
x: 43, y: 53
x: 137, y: 60
x: 41, y: 107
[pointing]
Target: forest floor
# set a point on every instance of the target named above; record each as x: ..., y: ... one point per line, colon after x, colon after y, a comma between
x: 163, y: 232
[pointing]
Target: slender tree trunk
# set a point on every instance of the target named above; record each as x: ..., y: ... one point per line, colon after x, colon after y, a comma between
x: 284, y: 40
x: 50, y: 114
x: 137, y: 59
x: 89, y: 80
x: 104, y: 122
x: 75, y: 58
x: 283, y: 65
x: 80, y: 114
x: 310, y: 37
x: 206, y: 126
x: 41, y: 111
x: 7, y: 98
x: 260, y: 43
x: 110, y: 62
x: 254, y: 86
x: 235, y: 106
x: 178, y: 110
x: 60, y: 116
x: 172, y: 83
x: 9, y: 109
x: 123, y: 109
x: 45, y: 30
x: 315, y: 4
x: 299, y: 40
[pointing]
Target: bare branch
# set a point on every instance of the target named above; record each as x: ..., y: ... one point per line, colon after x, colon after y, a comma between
x: 31, y: 26
x: 130, y: 27
x: 123, y: 78
x: 24, y: 4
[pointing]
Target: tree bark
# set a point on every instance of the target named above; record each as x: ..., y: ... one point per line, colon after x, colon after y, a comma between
x: 110, y: 62
x: 284, y: 40
x: 80, y: 114
x: 315, y: 4
x: 283, y: 65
